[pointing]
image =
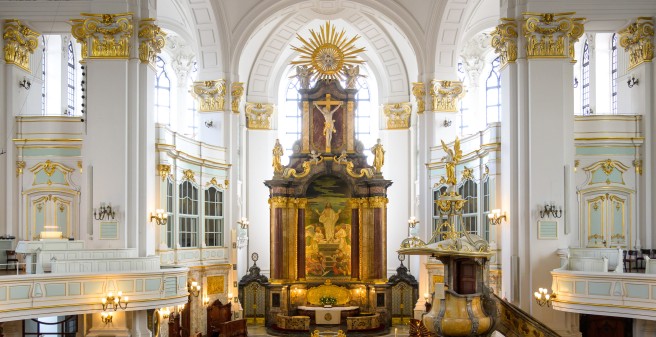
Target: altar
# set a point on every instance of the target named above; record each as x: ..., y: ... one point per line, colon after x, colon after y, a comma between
x: 332, y: 315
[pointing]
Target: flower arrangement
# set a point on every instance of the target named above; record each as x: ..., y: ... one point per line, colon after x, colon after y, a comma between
x: 328, y: 300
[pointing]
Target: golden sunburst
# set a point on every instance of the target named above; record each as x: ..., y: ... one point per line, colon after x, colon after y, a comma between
x: 327, y: 52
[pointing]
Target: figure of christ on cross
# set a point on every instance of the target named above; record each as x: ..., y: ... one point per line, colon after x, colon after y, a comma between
x: 329, y: 122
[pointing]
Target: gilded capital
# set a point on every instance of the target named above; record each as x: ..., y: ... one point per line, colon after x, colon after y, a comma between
x: 210, y: 95
x: 20, y: 43
x: 278, y: 202
x: 419, y: 91
x: 446, y: 95
x: 151, y: 40
x: 258, y: 115
x: 397, y: 115
x: 164, y: 170
x: 237, y: 91
x: 552, y: 35
x: 504, y: 41
x: 377, y: 202
x: 104, y: 36
x: 637, y: 38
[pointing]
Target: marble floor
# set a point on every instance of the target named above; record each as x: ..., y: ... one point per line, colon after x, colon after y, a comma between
x: 260, y: 331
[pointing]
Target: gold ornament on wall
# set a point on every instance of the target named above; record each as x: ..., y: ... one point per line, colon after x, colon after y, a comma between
x: 151, y: 41
x: 20, y: 166
x: 467, y: 174
x: 189, y: 175
x: 397, y: 115
x: 446, y: 95
x: 20, y: 43
x: 638, y: 166
x: 419, y: 91
x: 210, y: 95
x: 552, y: 35
x: 237, y: 91
x: 258, y: 115
x: 504, y: 41
x: 164, y: 170
x: 327, y: 53
x: 637, y: 38
x: 108, y: 34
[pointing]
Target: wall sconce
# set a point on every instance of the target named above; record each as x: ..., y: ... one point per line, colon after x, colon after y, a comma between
x: 105, y: 212
x: 25, y: 83
x: 630, y: 82
x: 165, y: 313
x: 412, y: 222
x: 243, y: 223
x: 543, y: 297
x: 447, y: 123
x: 114, y: 302
x: 160, y: 217
x: 496, y: 216
x: 428, y: 301
x: 206, y: 301
x: 194, y: 289
x: 242, y: 238
x: 209, y: 124
x: 106, y: 317
x: 550, y: 210
x: 576, y: 82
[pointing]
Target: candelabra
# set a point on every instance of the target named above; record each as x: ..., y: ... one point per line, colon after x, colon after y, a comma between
x: 412, y: 222
x: 106, y: 317
x: 106, y: 212
x: 194, y: 289
x: 114, y: 301
x: 206, y: 300
x: 160, y: 217
x: 550, y: 210
x: 632, y: 81
x: 242, y: 238
x: 543, y: 297
x: 496, y: 216
x: 165, y: 313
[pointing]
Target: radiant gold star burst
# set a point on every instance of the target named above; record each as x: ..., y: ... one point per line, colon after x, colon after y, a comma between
x: 327, y: 52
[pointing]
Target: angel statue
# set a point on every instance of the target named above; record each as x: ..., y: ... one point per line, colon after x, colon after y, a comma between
x: 452, y: 158
x: 352, y: 73
x: 303, y: 73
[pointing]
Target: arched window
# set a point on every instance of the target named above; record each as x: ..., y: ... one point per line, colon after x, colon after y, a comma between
x: 192, y: 111
x: 43, y: 76
x: 613, y: 74
x: 365, y: 121
x: 585, y: 76
x: 462, y: 105
x: 70, y: 80
x: 213, y: 217
x: 188, y: 215
x: 162, y: 93
x: 493, y: 93
x: 469, y: 191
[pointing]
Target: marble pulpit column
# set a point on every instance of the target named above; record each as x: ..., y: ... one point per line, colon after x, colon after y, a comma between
x: 287, y: 224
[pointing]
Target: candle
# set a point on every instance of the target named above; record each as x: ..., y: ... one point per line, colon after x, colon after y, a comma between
x: 395, y: 330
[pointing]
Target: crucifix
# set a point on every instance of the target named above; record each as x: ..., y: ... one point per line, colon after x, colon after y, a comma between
x: 329, y: 122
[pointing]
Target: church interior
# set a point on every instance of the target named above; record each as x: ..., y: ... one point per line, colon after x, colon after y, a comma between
x: 327, y: 168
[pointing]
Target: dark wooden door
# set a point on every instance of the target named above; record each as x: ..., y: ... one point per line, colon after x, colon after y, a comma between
x: 465, y: 277
x: 605, y: 326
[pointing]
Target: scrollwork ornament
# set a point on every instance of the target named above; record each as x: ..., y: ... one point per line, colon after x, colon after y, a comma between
x: 20, y: 166
x: 236, y: 91
x: 504, y: 41
x: 104, y: 35
x: 419, y: 91
x: 210, y: 95
x: 446, y: 95
x: 637, y: 38
x: 20, y: 43
x: 151, y: 41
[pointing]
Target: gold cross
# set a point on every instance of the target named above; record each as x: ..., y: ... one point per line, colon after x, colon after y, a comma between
x: 328, y: 103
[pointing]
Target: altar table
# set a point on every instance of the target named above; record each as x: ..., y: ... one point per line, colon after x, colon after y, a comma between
x: 332, y: 315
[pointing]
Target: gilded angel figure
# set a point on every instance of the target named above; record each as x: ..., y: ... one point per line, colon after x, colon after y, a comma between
x: 452, y: 158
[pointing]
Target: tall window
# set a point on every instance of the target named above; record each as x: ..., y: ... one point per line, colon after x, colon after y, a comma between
x: 493, y: 93
x: 188, y: 215
x: 613, y: 73
x: 365, y: 121
x: 213, y: 217
x: 170, y: 224
x: 462, y: 106
x: 43, y: 76
x: 469, y: 191
x: 70, y: 80
x: 585, y: 75
x: 192, y: 119
x: 486, y: 208
x: 162, y: 93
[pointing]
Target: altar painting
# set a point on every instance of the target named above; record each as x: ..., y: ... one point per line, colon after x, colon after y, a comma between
x: 328, y: 230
